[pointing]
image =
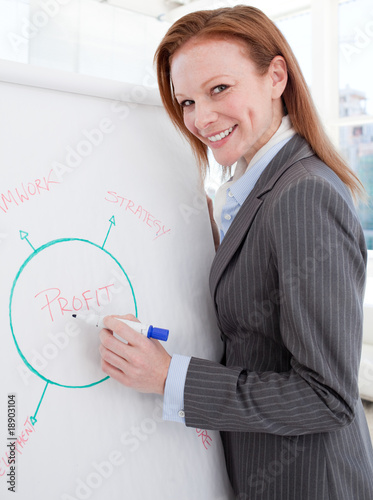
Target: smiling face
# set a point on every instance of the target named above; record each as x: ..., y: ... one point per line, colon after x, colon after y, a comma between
x: 226, y: 103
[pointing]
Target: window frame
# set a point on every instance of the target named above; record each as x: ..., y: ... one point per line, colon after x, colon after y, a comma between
x: 325, y: 61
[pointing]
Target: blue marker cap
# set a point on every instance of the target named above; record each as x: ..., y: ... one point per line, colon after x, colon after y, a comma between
x: 158, y: 333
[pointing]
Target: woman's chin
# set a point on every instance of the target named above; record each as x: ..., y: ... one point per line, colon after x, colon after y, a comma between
x: 225, y: 161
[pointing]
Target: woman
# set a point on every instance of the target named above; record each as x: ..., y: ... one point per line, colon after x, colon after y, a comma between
x: 288, y: 277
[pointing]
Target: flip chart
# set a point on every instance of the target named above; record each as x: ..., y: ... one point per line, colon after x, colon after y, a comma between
x: 101, y: 210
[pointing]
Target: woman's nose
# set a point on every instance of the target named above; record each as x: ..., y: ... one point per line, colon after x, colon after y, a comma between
x: 204, y: 116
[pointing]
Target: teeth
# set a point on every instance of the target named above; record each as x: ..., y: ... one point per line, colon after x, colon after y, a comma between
x: 220, y: 136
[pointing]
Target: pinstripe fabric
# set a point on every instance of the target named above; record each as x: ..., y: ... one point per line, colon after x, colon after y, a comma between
x: 288, y: 283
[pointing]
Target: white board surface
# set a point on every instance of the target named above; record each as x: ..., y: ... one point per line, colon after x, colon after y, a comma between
x: 101, y: 210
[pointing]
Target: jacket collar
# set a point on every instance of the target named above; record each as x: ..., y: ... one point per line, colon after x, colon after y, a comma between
x: 296, y: 149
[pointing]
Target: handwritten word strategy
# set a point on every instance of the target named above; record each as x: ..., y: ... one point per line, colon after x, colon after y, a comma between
x: 138, y: 211
x: 26, y: 192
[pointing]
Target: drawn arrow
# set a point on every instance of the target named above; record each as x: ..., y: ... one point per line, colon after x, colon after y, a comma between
x: 33, y: 418
x: 112, y: 223
x: 23, y: 236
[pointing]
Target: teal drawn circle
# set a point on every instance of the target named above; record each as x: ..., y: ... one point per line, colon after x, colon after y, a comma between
x: 36, y: 252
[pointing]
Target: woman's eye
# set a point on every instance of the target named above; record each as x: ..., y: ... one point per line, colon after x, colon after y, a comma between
x: 186, y: 103
x: 218, y: 89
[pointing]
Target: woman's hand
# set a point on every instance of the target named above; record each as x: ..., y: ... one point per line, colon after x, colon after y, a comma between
x: 141, y: 364
x: 214, y: 226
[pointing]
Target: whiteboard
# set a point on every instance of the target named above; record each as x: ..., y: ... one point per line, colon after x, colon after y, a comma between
x: 101, y: 209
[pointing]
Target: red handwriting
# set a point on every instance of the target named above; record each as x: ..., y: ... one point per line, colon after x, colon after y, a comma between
x: 24, y: 193
x: 19, y: 444
x: 56, y: 304
x: 143, y: 215
x: 206, y: 439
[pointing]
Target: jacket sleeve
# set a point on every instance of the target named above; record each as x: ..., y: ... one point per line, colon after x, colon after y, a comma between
x: 318, y: 249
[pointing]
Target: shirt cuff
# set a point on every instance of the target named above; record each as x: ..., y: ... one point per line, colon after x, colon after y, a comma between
x: 173, y: 401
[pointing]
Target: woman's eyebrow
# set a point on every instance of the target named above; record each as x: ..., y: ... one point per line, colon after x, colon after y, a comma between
x: 207, y: 82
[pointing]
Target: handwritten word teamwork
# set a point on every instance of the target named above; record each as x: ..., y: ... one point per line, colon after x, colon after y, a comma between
x: 138, y: 211
x: 25, y: 192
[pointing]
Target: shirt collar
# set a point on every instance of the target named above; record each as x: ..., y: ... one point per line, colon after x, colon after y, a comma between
x: 244, y: 185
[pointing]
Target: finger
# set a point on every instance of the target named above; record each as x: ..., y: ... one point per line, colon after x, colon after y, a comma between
x: 105, y: 337
x: 114, y: 373
x: 123, y: 330
x: 109, y: 342
x: 118, y: 369
x: 114, y: 359
x: 130, y: 317
x: 103, y: 333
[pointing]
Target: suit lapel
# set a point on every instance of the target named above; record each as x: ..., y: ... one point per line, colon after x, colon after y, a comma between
x: 296, y: 149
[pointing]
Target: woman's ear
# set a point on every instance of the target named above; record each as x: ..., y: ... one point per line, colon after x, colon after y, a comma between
x: 279, y: 73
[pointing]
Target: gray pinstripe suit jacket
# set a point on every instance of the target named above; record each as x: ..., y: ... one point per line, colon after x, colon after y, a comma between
x: 288, y: 282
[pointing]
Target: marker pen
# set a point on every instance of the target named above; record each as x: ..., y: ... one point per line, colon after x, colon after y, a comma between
x: 149, y: 330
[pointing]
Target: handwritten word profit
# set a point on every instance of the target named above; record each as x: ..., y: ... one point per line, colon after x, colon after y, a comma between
x: 138, y: 211
x: 56, y: 304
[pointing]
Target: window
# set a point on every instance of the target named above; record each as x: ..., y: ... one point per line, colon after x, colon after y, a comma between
x: 298, y: 32
x: 81, y: 36
x: 356, y: 98
x: 12, y: 15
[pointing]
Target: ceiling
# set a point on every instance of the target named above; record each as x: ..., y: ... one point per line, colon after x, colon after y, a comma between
x: 171, y: 10
x: 160, y: 9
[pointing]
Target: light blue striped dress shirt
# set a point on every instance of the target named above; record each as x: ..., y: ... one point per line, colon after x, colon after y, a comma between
x: 173, y: 403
